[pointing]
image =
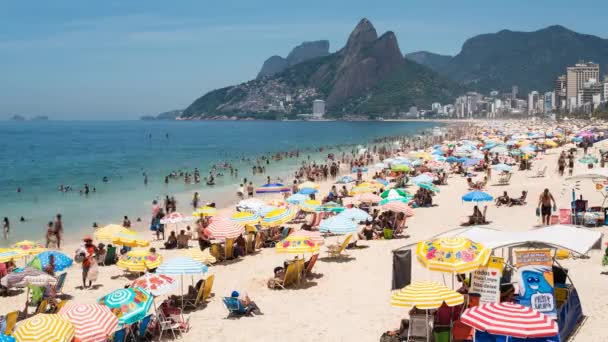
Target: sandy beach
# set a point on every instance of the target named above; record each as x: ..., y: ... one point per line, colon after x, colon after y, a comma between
x: 349, y: 299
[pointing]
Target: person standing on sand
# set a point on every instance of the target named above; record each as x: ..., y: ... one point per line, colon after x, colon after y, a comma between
x: 58, y: 225
x: 250, y: 189
x: 6, y: 227
x: 544, y: 204
x: 195, y: 200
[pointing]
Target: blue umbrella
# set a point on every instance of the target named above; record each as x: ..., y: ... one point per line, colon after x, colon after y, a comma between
x: 381, y: 181
x: 296, y: 198
x: 346, y: 179
x: 307, y: 191
x: 357, y: 169
x: 422, y: 179
x: 62, y: 261
x: 428, y: 186
x: 355, y: 214
x: 7, y: 338
x: 477, y: 196
x: 471, y: 161
x: 452, y: 159
x: 502, y: 167
x: 338, y: 225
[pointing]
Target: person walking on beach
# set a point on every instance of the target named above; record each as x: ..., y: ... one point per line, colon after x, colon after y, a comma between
x: 6, y: 227
x: 544, y: 204
x: 58, y: 225
x: 51, y: 237
x: 195, y: 200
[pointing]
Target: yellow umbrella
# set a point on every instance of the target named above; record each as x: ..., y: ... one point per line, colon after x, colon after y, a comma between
x: 278, y: 217
x: 363, y: 188
x: 205, y: 211
x: 245, y: 218
x: 130, y: 239
x: 8, y: 254
x: 297, y: 245
x: 310, y: 206
x: 139, y: 261
x: 452, y: 255
x: 27, y: 247
x: 308, y: 184
x: 45, y: 327
x: 550, y: 143
x: 204, y: 257
x: 425, y: 295
x: 108, y: 232
x: 423, y: 155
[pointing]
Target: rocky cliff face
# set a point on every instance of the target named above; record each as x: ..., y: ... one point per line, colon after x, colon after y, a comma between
x: 301, y: 53
x: 368, y: 76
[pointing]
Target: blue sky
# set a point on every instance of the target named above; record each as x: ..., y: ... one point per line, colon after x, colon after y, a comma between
x: 119, y: 59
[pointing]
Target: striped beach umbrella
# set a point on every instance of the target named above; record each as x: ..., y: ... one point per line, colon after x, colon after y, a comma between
x: 139, y: 261
x: 205, y: 211
x: 369, y: 198
x: 308, y: 184
x: 394, y: 193
x: 27, y: 247
x: 452, y: 255
x: 428, y: 186
x: 315, y: 236
x: 92, y: 322
x: 222, y: 228
x: 130, y: 305
x: 297, y: 198
x: 398, y: 207
x: 425, y: 295
x: 509, y: 319
x: 310, y: 206
x: 396, y: 199
x: 278, y: 217
x: 245, y: 218
x: 41, y: 260
x: 273, y: 188
x: 307, y: 191
x: 356, y: 214
x: 338, y: 225
x: 265, y: 209
x: 9, y: 255
x: 156, y: 284
x: 182, y: 266
x: 175, y: 218
x: 28, y: 276
x: 251, y: 204
x: 331, y: 207
x: 204, y: 257
x: 297, y: 245
x: 362, y: 189
x: 45, y: 327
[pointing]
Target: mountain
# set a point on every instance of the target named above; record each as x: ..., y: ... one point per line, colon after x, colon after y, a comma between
x: 431, y: 60
x: 530, y: 60
x: 170, y: 115
x: 368, y: 76
x: 301, y: 53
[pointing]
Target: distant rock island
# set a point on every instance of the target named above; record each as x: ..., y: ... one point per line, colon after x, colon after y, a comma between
x: 301, y: 53
x: 40, y: 118
x: 16, y: 118
x: 170, y: 115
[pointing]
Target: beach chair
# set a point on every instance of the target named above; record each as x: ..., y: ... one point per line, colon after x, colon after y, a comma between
x: 42, y: 307
x: 504, y: 179
x: 234, y: 306
x: 142, y: 328
x: 207, y: 286
x: 483, y: 215
x: 420, y: 327
x: 110, y: 256
x: 299, y: 269
x: 289, y: 278
x: 183, y: 324
x: 317, y: 219
x: 120, y: 335
x: 335, y: 251
x: 166, y: 324
x: 228, y: 249
x: 60, y: 305
x: 60, y: 283
x: 193, y: 302
x: 249, y: 244
x: 311, y: 263
x: 541, y: 172
x: 388, y: 233
x: 258, y: 241
x: 11, y: 321
x: 521, y: 200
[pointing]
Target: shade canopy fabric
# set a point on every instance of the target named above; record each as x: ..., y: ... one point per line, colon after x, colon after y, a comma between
x: 426, y: 295
x: 510, y: 319
x: 575, y: 239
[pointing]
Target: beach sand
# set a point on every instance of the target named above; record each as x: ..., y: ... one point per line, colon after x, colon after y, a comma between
x: 349, y: 299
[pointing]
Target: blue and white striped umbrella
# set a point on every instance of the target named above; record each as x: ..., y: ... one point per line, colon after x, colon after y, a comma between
x: 422, y: 179
x: 355, y: 214
x: 346, y: 179
x: 338, y: 225
x: 296, y: 198
x: 182, y: 266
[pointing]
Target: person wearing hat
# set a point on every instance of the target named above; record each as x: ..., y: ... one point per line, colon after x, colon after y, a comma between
x: 249, y: 305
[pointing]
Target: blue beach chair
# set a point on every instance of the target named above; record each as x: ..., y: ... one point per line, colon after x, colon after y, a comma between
x: 234, y: 306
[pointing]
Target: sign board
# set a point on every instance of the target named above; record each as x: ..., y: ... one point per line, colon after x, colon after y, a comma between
x: 535, y: 279
x: 485, y: 281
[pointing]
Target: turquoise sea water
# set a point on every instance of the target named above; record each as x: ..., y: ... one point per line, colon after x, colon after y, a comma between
x: 39, y: 156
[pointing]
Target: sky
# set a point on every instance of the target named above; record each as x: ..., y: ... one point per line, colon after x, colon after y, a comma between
x: 120, y: 59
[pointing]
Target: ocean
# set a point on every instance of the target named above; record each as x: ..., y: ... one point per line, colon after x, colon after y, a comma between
x: 39, y: 157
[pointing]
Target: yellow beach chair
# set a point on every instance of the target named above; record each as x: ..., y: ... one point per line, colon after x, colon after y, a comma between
x: 335, y: 251
x: 11, y: 321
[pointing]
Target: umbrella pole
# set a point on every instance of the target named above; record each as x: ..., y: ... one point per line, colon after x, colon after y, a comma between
x: 426, y: 325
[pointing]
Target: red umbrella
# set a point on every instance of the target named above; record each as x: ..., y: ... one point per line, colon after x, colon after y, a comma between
x: 369, y: 198
x: 399, y: 207
x: 510, y: 320
x: 223, y: 228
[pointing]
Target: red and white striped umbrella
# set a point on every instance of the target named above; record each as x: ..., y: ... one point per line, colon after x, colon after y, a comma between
x: 399, y: 207
x: 223, y: 228
x: 369, y: 198
x: 176, y: 217
x: 92, y: 322
x: 314, y: 236
x: 510, y: 319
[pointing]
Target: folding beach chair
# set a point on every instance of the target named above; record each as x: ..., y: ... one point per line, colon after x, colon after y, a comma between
x: 11, y: 321
x: 228, y: 249
x: 311, y: 264
x: 234, y: 306
x: 335, y: 251
x: 420, y: 327
x: 289, y: 278
x: 60, y: 283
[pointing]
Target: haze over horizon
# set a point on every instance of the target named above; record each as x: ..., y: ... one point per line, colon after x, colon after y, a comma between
x: 123, y: 59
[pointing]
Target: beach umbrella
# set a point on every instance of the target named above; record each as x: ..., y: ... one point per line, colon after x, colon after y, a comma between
x: 357, y: 169
x: 278, y: 217
x: 130, y: 305
x: 471, y: 161
x: 253, y: 204
x: 308, y: 184
x: 182, y: 265
x: 596, y: 173
x: 245, y: 218
x: 310, y: 206
x: 452, y: 255
x: 41, y: 260
x: 297, y: 198
x: 423, y: 178
x: 27, y: 247
x: 338, y: 225
x: 175, y: 217
x: 264, y: 210
x: 92, y: 322
x: 139, y: 261
x: 307, y: 191
x: 331, y: 207
x: 297, y: 245
x: 315, y: 236
x: 400, y: 168
x: 396, y: 199
x: 502, y: 167
x: 398, y: 207
x: 345, y: 180
x: 27, y: 276
x: 452, y: 159
x: 277, y: 203
x: 204, y: 257
x: 426, y: 295
x: 394, y: 193
x: 587, y: 159
x: 9, y: 255
x: 369, y: 198
x: 7, y: 338
x: 45, y: 327
x: 362, y: 189
x: 477, y: 196
x: 156, y: 284
x: 273, y: 188
x: 108, y: 232
x: 501, y: 149
x: 205, y: 211
x: 428, y: 186
x: 222, y: 228
x: 130, y: 239
x: 550, y: 143
x: 509, y: 319
x: 356, y: 214
x: 379, y: 182
x: 380, y: 165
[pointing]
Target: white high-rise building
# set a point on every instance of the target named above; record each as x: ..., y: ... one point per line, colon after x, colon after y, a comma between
x: 533, y: 98
x: 436, y: 107
x: 605, y: 89
x: 318, y: 108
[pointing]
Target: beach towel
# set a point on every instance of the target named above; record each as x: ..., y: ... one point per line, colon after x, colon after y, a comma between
x: 402, y: 268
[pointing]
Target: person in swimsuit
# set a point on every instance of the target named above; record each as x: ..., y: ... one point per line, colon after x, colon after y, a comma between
x: 544, y: 203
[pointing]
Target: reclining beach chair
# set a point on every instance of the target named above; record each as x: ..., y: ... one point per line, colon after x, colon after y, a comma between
x: 521, y: 200
x: 335, y: 251
x: 203, y: 294
x: 420, y: 327
x: 235, y: 307
x: 228, y: 249
x: 311, y: 263
x: 289, y: 278
x: 541, y: 172
x: 11, y: 320
x: 504, y: 179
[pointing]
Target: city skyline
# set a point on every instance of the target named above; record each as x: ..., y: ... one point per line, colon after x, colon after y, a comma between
x: 124, y: 59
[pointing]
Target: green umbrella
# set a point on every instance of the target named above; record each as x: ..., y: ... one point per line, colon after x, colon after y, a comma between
x: 404, y: 199
x: 429, y: 186
x: 400, y: 168
x: 587, y: 159
x: 392, y: 193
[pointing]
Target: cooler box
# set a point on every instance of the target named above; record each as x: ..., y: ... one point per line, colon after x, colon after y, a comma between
x: 554, y: 219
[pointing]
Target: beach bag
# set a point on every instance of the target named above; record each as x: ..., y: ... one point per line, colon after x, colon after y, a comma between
x: 537, y: 211
x: 388, y: 338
